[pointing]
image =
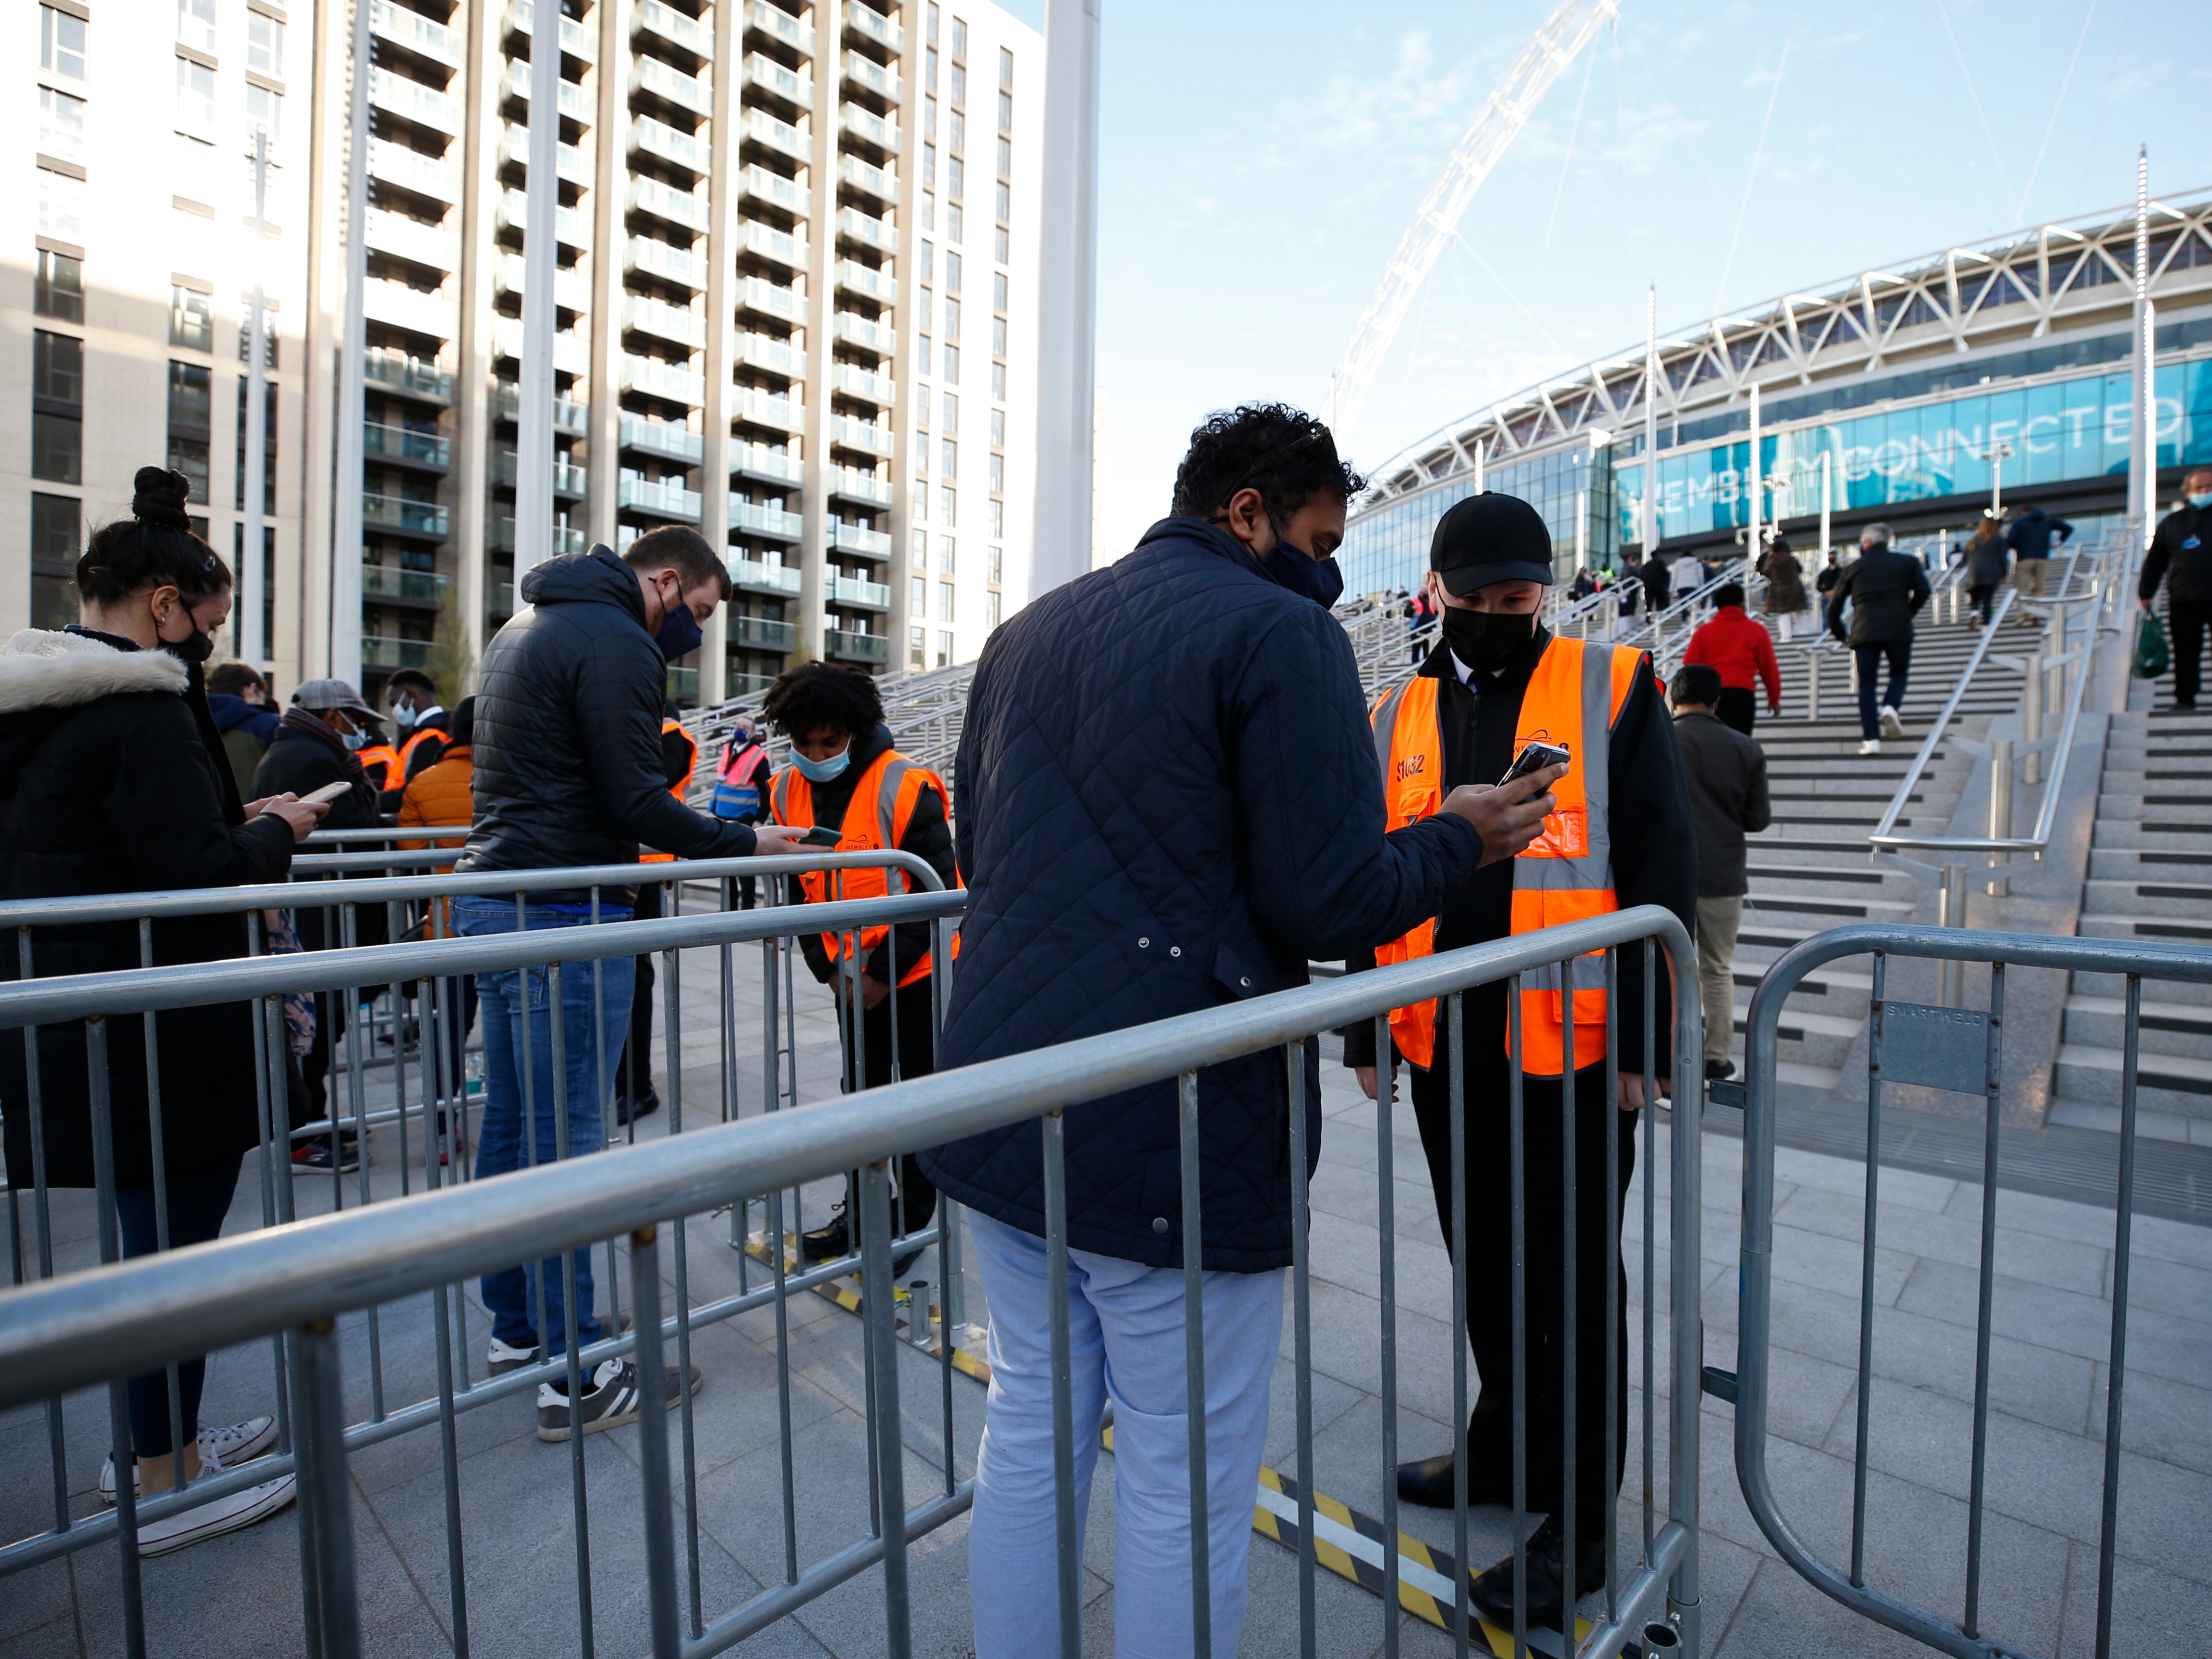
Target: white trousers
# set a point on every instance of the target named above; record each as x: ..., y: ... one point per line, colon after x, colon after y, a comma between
x: 1125, y: 1335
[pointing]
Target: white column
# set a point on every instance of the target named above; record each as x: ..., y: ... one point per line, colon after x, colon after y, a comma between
x: 1754, y: 482
x: 1827, y: 500
x: 1067, y: 296
x: 1650, y: 420
x: 1582, y: 531
x: 1481, y: 460
x: 253, y: 643
x: 345, y: 532
x: 2142, y: 445
x: 533, y: 414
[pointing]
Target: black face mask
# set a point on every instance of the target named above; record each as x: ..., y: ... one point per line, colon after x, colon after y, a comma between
x: 194, y: 647
x: 1487, y: 640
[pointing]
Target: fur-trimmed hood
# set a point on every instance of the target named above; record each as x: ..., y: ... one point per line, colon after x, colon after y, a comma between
x: 43, y: 670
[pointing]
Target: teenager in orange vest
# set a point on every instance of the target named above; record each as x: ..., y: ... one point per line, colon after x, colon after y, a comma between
x: 845, y: 775
x: 1620, y: 836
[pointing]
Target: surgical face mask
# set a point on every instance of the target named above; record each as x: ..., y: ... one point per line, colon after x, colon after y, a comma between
x: 403, y: 714
x: 2200, y: 503
x: 1487, y: 640
x: 354, y: 739
x: 822, y: 771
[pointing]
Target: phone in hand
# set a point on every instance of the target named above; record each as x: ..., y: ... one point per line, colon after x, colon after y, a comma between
x: 1534, y: 757
x: 819, y: 836
x: 328, y: 791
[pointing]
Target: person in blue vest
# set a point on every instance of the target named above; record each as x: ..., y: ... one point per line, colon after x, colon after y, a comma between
x: 740, y: 782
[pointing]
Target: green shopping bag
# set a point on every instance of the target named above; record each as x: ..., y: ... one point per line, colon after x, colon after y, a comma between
x: 2152, y: 657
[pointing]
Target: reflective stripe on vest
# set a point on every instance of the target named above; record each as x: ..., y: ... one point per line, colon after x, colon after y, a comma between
x: 375, y: 755
x: 680, y: 788
x: 736, y: 797
x: 1566, y: 874
x: 407, y: 749
x: 875, y: 820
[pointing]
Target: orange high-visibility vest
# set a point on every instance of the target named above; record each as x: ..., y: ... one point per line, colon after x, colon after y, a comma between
x: 380, y: 761
x: 1574, y: 696
x: 876, y: 820
x: 681, y: 788
x: 406, y: 758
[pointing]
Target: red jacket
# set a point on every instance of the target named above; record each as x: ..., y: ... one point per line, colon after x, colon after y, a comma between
x: 1741, y: 649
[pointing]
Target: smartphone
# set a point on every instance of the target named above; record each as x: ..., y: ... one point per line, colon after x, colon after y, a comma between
x: 328, y: 791
x: 1534, y: 758
x: 818, y: 837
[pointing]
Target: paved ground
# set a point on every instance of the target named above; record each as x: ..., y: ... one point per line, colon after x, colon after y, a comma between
x: 237, y: 1595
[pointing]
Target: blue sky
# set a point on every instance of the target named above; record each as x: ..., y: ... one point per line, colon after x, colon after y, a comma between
x: 1260, y: 162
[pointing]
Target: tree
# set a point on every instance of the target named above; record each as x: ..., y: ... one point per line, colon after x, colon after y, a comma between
x: 452, y: 665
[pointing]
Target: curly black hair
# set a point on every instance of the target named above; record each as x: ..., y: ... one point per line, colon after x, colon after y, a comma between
x: 816, y: 695
x: 1285, y: 453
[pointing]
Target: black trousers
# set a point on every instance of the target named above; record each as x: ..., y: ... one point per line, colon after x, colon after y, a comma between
x: 2187, y: 620
x: 1868, y: 659
x: 1490, y: 1275
x: 914, y: 1035
x: 1738, y: 707
x: 633, y: 1071
x: 196, y: 1209
x: 1981, y: 593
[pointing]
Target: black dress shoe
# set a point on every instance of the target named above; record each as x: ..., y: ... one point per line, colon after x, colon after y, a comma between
x: 1491, y: 1592
x: 626, y: 1109
x: 828, y: 1242
x: 1715, y: 1070
x: 1428, y: 1481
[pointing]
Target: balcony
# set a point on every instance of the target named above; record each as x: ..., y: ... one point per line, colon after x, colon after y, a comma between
x: 878, y: 29
x: 857, y: 278
x: 687, y: 33
x: 743, y: 686
x: 577, y: 40
x: 850, y: 328
x: 773, y: 522
x: 398, y: 371
x: 879, y: 389
x: 759, y: 127
x: 683, y: 686
x: 658, y: 501
x: 665, y: 143
x: 785, y: 414
x: 499, y: 600
x: 770, y: 77
x: 850, y: 590
x: 857, y: 647
x: 772, y: 299
x: 770, y: 465
x: 575, y: 104
x: 658, y: 380
x: 379, y: 652
x: 859, y: 538
x: 408, y: 517
x: 572, y: 288
x: 664, y: 322
x: 867, y: 73
x: 862, y: 435
x: 693, y: 92
x: 663, y: 438
x: 878, y: 182
x: 771, y: 20
x: 411, y: 238
x: 413, y: 101
x: 416, y: 32
x: 672, y: 264
x: 570, y: 164
x: 569, y: 416
x: 382, y: 581
x: 769, y: 243
x: 410, y: 308
x: 855, y: 485
x: 565, y: 538
x: 411, y: 170
x: 687, y: 208
x: 770, y: 355
x: 572, y: 349
x: 571, y: 228
x: 762, y: 185
x: 571, y: 481
x: 870, y: 129
x: 409, y: 448
x: 759, y: 577
x: 759, y: 633
x: 878, y: 234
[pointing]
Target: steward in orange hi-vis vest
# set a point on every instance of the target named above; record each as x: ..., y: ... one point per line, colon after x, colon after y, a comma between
x: 679, y: 753
x: 1573, y: 698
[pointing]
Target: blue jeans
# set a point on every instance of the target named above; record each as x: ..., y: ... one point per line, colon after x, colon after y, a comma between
x: 589, y: 1048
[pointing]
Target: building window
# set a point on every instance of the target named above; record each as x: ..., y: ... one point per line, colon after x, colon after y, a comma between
x: 192, y: 323
x: 944, y: 650
x: 1006, y: 158
x: 929, y: 68
x: 998, y: 381
x: 929, y: 214
x: 268, y: 449
x: 998, y: 475
x: 956, y: 222
x: 921, y: 501
x: 951, y: 319
x: 946, y: 555
x: 949, y: 505
x: 999, y: 291
x: 998, y: 429
x: 952, y: 269
x: 61, y: 206
x: 998, y: 336
x: 264, y: 45
x: 945, y: 602
x: 196, y: 24
x: 1002, y: 246
x: 919, y: 605
x: 265, y: 110
x: 58, y: 369
x: 929, y: 167
x: 268, y: 341
x: 61, y: 44
x: 917, y: 644
x: 61, y: 125
x: 958, y: 91
x: 955, y: 131
x: 921, y: 544
x: 58, y: 289
x: 996, y: 561
x: 54, y: 530
x: 931, y: 24
x: 959, y: 37
x: 955, y: 178
x: 951, y: 362
x: 57, y: 407
x: 990, y: 610
x: 929, y: 117
x: 1005, y: 111
x: 195, y: 100
x: 190, y: 411
x: 1005, y: 68
x: 948, y: 459
x: 920, y: 406
x: 951, y: 413
x: 998, y: 528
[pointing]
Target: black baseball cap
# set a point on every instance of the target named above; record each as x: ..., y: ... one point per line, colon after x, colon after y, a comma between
x: 1490, y: 538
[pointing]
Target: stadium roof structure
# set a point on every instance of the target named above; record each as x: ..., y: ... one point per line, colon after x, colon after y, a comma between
x: 2028, y: 285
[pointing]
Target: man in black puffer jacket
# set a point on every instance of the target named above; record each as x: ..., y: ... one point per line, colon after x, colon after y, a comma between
x: 569, y: 771
x: 1168, y: 801
x: 1884, y: 590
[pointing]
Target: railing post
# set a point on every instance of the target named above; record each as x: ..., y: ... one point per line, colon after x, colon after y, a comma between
x: 1812, y: 686
x: 2031, y: 713
x: 2000, y: 808
x: 1951, y: 912
x: 325, y: 1490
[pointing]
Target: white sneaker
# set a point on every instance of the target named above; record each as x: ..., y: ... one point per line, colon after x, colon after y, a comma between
x: 1871, y: 746
x: 224, y: 1447
x: 504, y: 1357
x: 1890, y: 725
x: 217, y: 1516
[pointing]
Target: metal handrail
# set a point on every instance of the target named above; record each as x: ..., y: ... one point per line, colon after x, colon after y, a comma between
x: 384, y: 832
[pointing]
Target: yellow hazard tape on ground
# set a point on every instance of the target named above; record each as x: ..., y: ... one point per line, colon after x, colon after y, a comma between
x: 1345, y: 1542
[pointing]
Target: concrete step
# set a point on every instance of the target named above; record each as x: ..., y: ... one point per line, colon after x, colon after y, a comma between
x: 2112, y: 988
x: 2150, y: 1126
x: 2159, y: 777
x: 2166, y: 930
x: 2149, y: 864
x: 2166, y: 833
x: 1855, y: 880
x: 1815, y: 1038
x: 2169, y: 807
x: 2175, y: 901
x: 2164, y: 1082
x: 1826, y: 911
x: 2165, y: 1028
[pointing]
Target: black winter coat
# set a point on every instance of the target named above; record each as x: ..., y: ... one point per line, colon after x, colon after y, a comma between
x: 1729, y: 800
x: 306, y: 754
x: 568, y: 733
x: 1885, y: 589
x: 108, y: 785
x: 1168, y: 801
x: 2181, y: 555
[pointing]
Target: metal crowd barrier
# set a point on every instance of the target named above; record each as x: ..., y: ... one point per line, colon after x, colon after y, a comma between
x: 1961, y: 1050
x: 289, y: 1284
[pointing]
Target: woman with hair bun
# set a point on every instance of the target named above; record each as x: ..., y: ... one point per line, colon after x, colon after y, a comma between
x: 113, y: 781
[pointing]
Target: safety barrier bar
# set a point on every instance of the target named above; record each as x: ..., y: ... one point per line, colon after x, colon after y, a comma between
x: 1961, y: 1050
x: 388, y: 832
x: 289, y: 1284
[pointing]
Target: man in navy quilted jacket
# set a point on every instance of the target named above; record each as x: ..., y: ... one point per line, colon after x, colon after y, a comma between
x: 1167, y: 801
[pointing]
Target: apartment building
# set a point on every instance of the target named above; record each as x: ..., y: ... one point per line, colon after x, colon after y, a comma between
x: 794, y: 301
